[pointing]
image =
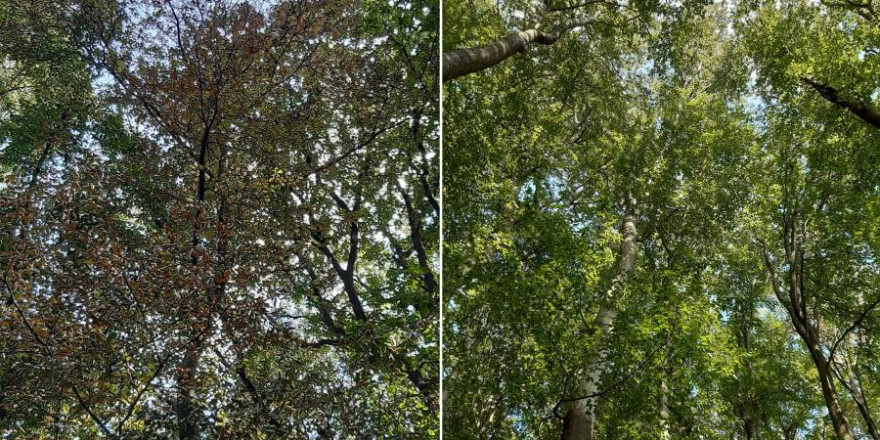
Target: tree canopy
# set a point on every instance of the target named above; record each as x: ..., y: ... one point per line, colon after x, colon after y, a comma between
x: 662, y: 223
x: 219, y: 219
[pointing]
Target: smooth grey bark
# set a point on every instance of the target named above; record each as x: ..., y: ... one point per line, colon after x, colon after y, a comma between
x: 461, y: 62
x: 580, y: 420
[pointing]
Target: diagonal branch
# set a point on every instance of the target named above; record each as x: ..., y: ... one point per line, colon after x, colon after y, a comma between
x: 615, y: 385
x: 852, y: 327
x: 462, y: 62
x: 101, y: 424
x: 865, y: 112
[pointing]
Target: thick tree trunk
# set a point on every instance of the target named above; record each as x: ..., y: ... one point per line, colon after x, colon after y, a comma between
x: 575, y: 425
x: 462, y: 62
x: 751, y: 428
x: 867, y: 113
x: 580, y: 421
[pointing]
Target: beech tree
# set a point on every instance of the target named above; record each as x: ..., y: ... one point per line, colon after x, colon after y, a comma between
x: 732, y: 145
x: 543, y: 23
x: 228, y: 227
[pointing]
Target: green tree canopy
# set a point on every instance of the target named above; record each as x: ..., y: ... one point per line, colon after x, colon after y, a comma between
x: 668, y: 228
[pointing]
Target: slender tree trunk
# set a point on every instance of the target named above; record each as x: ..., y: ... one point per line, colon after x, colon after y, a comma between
x: 664, y: 408
x: 789, y: 432
x: 869, y: 419
x: 858, y: 395
x: 187, y: 419
x: 187, y: 416
x: 462, y: 62
x: 796, y: 305
x: 585, y: 409
x: 862, y: 399
x: 810, y: 335
x: 415, y: 231
x: 580, y: 420
x: 866, y: 112
x: 423, y: 385
x: 745, y: 412
x: 858, y: 392
x: 829, y: 393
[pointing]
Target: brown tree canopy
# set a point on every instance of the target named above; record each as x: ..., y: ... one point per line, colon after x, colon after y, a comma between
x: 219, y: 219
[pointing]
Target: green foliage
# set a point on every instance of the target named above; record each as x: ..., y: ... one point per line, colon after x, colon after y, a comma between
x: 699, y: 113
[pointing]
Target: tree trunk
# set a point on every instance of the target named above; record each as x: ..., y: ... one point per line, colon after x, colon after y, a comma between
x: 796, y: 307
x: 745, y: 412
x: 751, y: 429
x: 789, y: 432
x: 187, y: 415
x: 862, y: 400
x: 187, y: 418
x: 580, y: 421
x: 462, y: 62
x: 858, y: 395
x: 590, y: 381
x: 664, y: 409
x: 829, y: 393
x: 869, y: 420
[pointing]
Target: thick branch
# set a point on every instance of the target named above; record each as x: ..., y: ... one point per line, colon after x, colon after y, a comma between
x: 415, y: 232
x: 865, y: 112
x: 462, y: 62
